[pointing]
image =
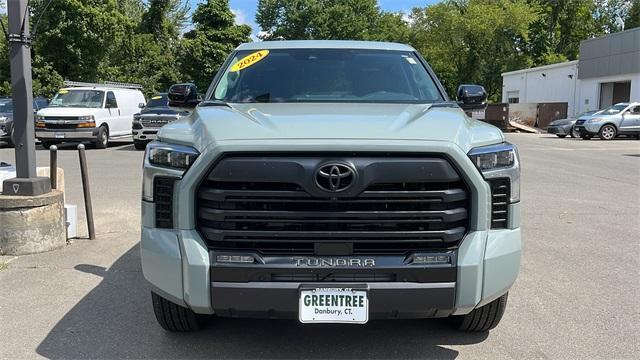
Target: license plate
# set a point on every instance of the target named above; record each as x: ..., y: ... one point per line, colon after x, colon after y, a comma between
x: 59, y: 135
x: 334, y: 305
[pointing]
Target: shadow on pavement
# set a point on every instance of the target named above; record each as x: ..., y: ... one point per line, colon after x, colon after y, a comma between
x: 115, y: 320
x: 127, y: 147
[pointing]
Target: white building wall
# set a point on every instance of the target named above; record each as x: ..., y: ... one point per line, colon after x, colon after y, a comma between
x: 551, y: 83
x: 589, y: 90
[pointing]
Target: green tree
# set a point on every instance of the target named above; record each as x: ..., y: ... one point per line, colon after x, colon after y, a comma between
x: 165, y: 19
x: 473, y: 41
x: 77, y: 36
x: 633, y: 17
x: 327, y: 19
x: 563, y: 24
x: 214, y: 36
x: 5, y: 74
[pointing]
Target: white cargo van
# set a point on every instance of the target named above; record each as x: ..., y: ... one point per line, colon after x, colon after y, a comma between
x: 89, y: 112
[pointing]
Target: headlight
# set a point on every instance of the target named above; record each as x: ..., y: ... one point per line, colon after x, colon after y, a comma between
x: 597, y: 120
x: 499, y: 161
x: 171, y: 156
x: 86, y: 121
x: 39, y: 118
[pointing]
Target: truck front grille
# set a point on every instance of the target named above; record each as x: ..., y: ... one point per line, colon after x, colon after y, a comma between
x: 156, y: 121
x: 240, y: 206
x: 54, y: 126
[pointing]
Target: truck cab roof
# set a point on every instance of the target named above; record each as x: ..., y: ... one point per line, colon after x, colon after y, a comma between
x: 324, y: 44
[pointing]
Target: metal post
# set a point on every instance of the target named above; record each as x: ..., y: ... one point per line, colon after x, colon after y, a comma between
x: 26, y: 183
x: 87, y: 191
x: 53, y: 166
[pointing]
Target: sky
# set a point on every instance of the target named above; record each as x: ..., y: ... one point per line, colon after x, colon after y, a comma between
x: 245, y: 10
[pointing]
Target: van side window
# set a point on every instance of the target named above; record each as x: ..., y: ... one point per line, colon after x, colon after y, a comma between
x: 111, y: 101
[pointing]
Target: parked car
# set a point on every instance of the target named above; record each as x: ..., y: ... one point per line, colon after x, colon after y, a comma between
x: 97, y: 113
x: 330, y: 182
x: 619, y: 119
x: 6, y: 117
x: 156, y: 114
x: 564, y: 127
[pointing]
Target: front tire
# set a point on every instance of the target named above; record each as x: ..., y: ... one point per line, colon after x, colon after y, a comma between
x: 608, y: 132
x: 574, y: 133
x: 561, y: 136
x: 102, y: 140
x: 483, y: 318
x: 175, y: 318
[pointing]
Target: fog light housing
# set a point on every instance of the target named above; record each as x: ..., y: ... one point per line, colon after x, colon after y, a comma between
x: 235, y: 259
x: 430, y: 259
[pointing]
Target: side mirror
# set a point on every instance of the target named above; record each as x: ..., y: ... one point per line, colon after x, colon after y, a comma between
x: 471, y: 97
x: 110, y: 105
x: 141, y: 105
x: 183, y: 96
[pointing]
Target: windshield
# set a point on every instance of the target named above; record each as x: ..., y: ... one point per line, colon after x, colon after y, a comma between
x: 615, y: 109
x: 78, y: 98
x: 159, y: 100
x: 6, y: 106
x: 326, y: 75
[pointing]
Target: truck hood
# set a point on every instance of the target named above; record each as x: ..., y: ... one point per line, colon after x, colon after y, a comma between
x: 441, y: 122
x: 67, y: 111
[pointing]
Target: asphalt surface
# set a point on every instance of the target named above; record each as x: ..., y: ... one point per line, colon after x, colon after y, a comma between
x: 578, y: 294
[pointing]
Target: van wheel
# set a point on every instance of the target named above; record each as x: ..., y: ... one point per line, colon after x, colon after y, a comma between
x: 140, y: 145
x: 483, y: 318
x: 102, y: 141
x: 175, y: 318
x: 607, y: 132
x: 561, y: 136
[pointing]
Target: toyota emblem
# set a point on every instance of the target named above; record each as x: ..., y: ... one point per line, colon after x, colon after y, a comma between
x: 335, y: 177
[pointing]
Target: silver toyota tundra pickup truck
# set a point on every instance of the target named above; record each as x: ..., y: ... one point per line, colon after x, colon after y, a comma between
x: 329, y: 182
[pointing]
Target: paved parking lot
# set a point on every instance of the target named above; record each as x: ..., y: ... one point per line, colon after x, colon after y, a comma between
x: 577, y: 295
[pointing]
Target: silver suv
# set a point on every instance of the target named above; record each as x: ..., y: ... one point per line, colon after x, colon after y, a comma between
x: 619, y: 119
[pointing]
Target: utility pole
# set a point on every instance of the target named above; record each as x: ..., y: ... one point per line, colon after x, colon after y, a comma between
x: 26, y: 183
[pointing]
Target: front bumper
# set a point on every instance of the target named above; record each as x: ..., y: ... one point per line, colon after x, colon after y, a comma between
x: 280, y: 299
x: 67, y: 134
x: 560, y: 130
x: 144, y: 134
x: 180, y: 268
x: 588, y: 129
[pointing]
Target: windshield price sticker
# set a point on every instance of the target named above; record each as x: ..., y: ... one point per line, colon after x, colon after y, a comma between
x: 334, y: 305
x: 249, y: 60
